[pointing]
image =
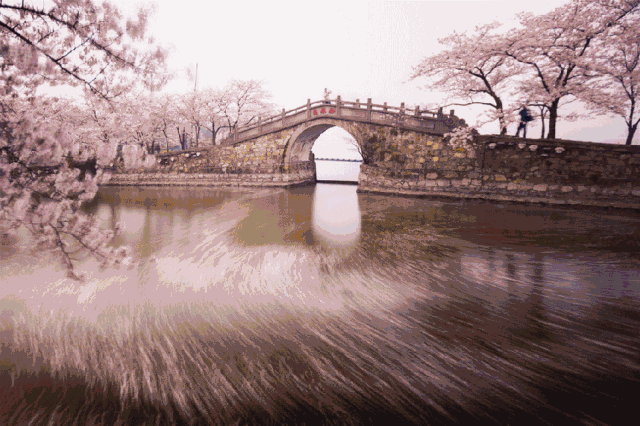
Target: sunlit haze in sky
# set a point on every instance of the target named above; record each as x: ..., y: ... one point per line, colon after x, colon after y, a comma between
x: 355, y: 49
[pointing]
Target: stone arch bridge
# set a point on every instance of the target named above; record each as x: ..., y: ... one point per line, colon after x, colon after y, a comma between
x: 295, y: 131
x: 276, y: 151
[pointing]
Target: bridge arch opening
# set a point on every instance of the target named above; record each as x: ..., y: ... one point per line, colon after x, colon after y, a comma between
x: 336, y: 156
x: 332, y: 147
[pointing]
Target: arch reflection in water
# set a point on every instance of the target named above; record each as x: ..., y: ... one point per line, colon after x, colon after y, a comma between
x: 336, y: 217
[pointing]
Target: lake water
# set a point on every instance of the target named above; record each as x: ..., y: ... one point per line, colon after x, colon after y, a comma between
x: 318, y: 305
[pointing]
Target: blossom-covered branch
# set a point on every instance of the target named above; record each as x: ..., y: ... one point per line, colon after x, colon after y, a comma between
x: 54, y: 153
x: 77, y: 42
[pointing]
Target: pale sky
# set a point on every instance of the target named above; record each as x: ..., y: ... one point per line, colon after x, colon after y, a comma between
x: 355, y: 49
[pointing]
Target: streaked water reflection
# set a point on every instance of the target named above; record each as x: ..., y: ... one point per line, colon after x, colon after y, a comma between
x: 318, y: 305
x: 336, y: 215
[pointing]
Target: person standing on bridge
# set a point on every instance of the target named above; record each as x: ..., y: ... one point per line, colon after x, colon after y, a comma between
x: 525, y: 117
x: 326, y: 95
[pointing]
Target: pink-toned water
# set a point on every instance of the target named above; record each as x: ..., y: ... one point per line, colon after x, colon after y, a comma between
x: 318, y: 305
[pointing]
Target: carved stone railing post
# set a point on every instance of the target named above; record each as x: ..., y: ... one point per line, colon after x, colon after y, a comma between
x: 369, y: 108
x: 357, y: 103
x: 308, y: 109
x: 440, y: 121
x: 235, y: 133
x: 282, y: 119
x: 260, y: 125
x: 417, y: 113
x: 384, y: 107
x: 338, y: 106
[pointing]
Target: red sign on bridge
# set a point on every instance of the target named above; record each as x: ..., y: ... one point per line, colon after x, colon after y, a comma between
x: 324, y: 111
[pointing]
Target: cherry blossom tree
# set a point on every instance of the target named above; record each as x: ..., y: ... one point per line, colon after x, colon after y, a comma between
x: 148, y: 117
x: 472, y: 69
x: 556, y: 47
x: 190, y: 107
x: 242, y: 102
x: 166, y: 114
x: 218, y: 111
x: 616, y: 66
x: 53, y: 155
x: 212, y: 117
x: 547, y: 62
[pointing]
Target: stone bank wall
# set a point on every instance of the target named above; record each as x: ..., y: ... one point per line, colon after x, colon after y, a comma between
x: 519, y: 170
x: 253, y: 179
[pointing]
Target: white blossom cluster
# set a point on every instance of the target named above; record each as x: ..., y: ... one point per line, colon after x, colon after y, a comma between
x: 460, y: 137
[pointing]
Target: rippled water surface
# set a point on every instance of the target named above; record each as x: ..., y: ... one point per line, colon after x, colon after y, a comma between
x: 318, y: 305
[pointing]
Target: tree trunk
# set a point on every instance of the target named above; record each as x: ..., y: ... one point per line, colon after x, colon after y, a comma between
x: 503, y: 126
x: 164, y: 131
x: 542, y: 117
x: 631, y: 132
x: 166, y: 137
x: 213, y: 133
x: 501, y: 120
x: 631, y: 128
x: 553, y: 118
x: 182, y: 137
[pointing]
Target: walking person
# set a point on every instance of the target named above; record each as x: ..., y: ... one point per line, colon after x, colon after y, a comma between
x: 525, y: 117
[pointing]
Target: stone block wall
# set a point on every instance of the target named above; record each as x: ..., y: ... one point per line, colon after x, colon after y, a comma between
x: 254, y: 163
x: 520, y: 170
x: 264, y: 154
x: 562, y: 162
x: 403, y: 151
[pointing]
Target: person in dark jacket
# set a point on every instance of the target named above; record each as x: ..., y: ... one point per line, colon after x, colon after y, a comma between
x: 525, y: 117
